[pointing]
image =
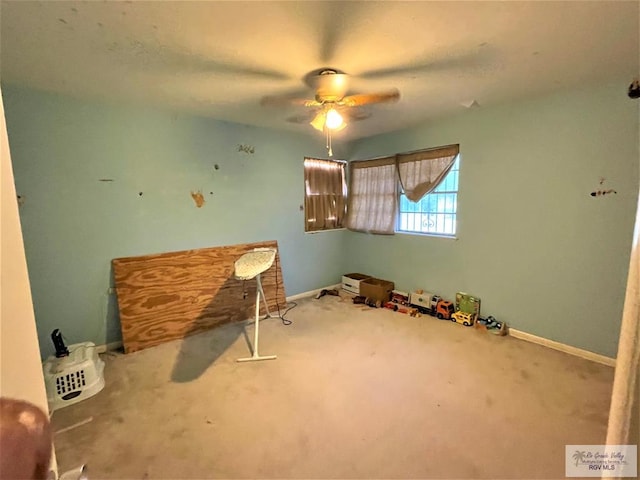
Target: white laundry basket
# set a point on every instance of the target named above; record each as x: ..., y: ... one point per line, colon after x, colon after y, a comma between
x: 75, y: 377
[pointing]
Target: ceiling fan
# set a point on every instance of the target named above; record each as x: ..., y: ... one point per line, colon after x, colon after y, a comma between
x: 332, y: 107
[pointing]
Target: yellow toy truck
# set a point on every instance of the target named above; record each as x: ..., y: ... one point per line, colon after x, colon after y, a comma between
x: 464, y: 318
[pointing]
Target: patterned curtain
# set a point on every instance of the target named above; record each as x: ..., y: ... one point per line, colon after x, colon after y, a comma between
x: 373, y: 196
x: 420, y: 172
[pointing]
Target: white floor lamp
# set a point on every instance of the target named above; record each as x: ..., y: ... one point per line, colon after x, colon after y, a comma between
x: 248, y: 266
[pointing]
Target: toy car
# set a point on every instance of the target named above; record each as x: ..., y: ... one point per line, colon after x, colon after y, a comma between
x: 400, y: 297
x: 464, y: 318
x: 490, y: 324
x: 392, y: 306
x: 396, y: 307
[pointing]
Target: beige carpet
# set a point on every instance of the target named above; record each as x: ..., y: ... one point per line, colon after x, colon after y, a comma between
x: 355, y: 393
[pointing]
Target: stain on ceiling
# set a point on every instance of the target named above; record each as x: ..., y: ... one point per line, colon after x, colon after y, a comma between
x: 220, y: 58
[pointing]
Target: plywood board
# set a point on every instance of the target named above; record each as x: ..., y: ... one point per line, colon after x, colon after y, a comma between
x: 168, y: 296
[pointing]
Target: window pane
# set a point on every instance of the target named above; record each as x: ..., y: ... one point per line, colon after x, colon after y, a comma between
x: 449, y: 225
x: 436, y: 212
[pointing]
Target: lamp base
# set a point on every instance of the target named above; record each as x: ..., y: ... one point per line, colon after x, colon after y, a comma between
x: 256, y: 358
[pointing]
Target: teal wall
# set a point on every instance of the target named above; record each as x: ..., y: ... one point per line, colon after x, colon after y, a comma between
x: 73, y: 224
x: 540, y: 252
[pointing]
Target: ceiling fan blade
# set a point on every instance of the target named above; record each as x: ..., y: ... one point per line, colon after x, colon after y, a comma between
x: 286, y: 100
x: 476, y: 59
x: 369, y: 98
x: 233, y: 68
x: 304, y: 118
x: 349, y: 115
x: 354, y: 115
x: 336, y: 20
x: 160, y: 57
x: 330, y: 36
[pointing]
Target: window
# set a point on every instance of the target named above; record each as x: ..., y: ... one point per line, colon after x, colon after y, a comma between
x: 324, y: 195
x: 436, y: 212
x: 428, y: 180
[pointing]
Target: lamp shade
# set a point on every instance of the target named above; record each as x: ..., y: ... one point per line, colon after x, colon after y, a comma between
x: 334, y: 119
x: 328, y: 119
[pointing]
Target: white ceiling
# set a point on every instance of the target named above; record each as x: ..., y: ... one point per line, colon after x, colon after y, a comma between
x: 219, y: 58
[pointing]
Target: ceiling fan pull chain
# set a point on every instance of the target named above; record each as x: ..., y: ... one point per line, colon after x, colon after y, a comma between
x: 329, y: 142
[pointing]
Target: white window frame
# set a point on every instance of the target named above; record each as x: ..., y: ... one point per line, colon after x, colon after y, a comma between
x: 436, y: 192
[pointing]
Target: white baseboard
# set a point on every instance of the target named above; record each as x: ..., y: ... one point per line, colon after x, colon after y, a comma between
x: 563, y: 347
x: 312, y: 293
x: 528, y: 337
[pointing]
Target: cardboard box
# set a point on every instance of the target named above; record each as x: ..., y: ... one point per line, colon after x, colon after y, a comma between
x: 351, y: 282
x: 376, y: 289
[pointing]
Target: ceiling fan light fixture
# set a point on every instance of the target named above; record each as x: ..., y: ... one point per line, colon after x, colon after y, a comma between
x: 331, y: 86
x: 318, y: 122
x: 334, y: 119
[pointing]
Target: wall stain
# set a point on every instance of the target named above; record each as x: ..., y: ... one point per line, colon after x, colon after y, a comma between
x: 198, y: 198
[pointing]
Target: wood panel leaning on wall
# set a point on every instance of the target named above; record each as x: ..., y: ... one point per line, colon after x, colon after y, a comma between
x: 169, y: 296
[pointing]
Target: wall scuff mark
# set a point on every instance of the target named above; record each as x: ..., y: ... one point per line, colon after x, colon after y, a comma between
x: 598, y: 193
x: 246, y: 148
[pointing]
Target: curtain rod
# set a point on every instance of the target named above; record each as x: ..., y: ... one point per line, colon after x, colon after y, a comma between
x: 408, y: 153
x: 430, y: 149
x: 326, y: 159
